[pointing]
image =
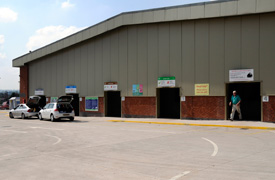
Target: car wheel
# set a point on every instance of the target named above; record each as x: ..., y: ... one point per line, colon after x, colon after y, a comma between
x: 11, y: 115
x: 23, y: 116
x: 52, y: 118
x: 71, y: 118
x: 40, y: 116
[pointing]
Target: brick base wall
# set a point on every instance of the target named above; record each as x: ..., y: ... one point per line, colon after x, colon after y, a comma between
x: 269, y: 110
x: 99, y: 113
x: 202, y: 107
x: 139, y: 107
x: 24, y: 83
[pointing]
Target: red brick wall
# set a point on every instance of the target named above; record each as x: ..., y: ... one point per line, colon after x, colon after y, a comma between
x: 24, y: 83
x: 139, y: 107
x: 99, y: 113
x: 203, y: 107
x: 269, y: 110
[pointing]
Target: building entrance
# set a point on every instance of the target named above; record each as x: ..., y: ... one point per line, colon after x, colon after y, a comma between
x: 112, y: 103
x: 168, y: 103
x: 75, y: 103
x: 250, y: 94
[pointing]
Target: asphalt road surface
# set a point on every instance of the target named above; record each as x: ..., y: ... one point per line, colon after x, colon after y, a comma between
x: 95, y: 149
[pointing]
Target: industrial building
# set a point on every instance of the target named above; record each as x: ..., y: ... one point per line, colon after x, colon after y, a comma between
x: 174, y: 62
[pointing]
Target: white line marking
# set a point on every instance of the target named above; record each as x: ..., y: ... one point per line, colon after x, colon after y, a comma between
x: 58, y: 139
x: 272, y: 131
x: 46, y: 128
x: 16, y: 131
x: 216, y: 149
x: 180, y: 175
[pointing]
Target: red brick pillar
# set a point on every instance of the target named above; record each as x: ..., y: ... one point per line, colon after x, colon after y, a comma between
x: 269, y: 110
x: 24, y: 83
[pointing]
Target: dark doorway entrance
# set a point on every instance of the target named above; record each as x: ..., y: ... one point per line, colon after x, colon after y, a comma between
x: 168, y: 100
x: 112, y: 103
x: 75, y: 103
x: 250, y: 94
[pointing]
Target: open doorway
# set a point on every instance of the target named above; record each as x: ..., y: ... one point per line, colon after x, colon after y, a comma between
x: 112, y: 103
x: 250, y: 94
x: 168, y: 103
x: 75, y: 103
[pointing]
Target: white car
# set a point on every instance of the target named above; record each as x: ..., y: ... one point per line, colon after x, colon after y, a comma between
x: 58, y: 110
x: 23, y: 111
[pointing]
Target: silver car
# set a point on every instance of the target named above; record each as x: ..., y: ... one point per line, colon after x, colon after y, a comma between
x: 23, y: 111
x: 58, y: 110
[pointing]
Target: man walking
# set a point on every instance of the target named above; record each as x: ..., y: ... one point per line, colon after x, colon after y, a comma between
x: 235, y: 102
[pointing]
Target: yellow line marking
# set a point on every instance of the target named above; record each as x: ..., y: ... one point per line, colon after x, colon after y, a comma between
x: 187, y: 124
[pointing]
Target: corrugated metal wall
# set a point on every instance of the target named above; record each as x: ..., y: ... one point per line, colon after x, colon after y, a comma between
x: 200, y: 51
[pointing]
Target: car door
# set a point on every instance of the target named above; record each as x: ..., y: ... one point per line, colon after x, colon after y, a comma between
x: 44, y: 111
x: 16, y: 110
x: 50, y: 110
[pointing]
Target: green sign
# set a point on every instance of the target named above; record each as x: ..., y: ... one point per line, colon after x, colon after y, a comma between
x: 167, y: 81
x: 167, y: 78
x: 54, y: 99
x: 91, y: 103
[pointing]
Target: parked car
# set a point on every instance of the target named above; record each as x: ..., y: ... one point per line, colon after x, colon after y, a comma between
x: 23, y: 111
x: 58, y: 110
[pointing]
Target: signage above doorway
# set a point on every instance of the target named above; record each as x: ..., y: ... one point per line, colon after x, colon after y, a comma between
x: 110, y: 86
x: 167, y: 81
x: 241, y: 75
x: 39, y: 92
x: 70, y: 89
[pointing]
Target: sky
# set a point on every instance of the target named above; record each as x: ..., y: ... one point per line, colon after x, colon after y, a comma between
x: 30, y: 24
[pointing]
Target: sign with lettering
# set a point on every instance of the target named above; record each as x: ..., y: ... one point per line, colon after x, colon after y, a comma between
x: 91, y: 103
x: 202, y: 89
x: 70, y: 89
x: 241, y: 75
x: 166, y: 82
x: 39, y: 92
x: 110, y: 86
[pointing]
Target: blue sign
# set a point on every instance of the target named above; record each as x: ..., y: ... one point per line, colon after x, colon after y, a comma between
x: 70, y: 89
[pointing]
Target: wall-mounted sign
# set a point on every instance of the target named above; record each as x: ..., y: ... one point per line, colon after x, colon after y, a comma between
x: 183, y: 98
x: 137, y: 89
x: 70, y: 89
x: 241, y: 75
x: 54, y: 99
x: 91, y: 103
x: 39, y: 92
x: 265, y: 98
x: 110, y: 86
x: 122, y: 98
x: 166, y: 82
x: 202, y: 89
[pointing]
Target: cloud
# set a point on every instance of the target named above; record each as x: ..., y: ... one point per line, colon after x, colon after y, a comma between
x: 2, y: 39
x: 49, y: 35
x: 67, y: 4
x: 7, y: 15
x: 2, y: 56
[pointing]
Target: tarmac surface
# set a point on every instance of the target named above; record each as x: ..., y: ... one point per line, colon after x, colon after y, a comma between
x: 148, y: 149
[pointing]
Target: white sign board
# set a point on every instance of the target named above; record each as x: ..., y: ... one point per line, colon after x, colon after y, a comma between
x: 110, y: 87
x: 166, y: 82
x: 39, y: 92
x: 265, y: 98
x: 122, y: 98
x: 183, y: 98
x: 241, y: 75
x: 70, y: 89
